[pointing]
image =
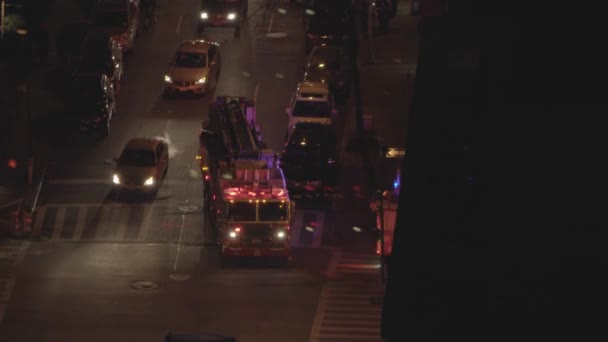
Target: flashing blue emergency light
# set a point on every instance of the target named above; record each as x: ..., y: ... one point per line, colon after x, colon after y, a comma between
x: 395, y: 184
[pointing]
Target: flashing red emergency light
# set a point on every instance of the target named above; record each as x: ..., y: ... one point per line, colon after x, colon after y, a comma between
x: 12, y: 163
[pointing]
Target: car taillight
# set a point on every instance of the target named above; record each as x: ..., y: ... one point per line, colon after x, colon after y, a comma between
x: 312, y: 36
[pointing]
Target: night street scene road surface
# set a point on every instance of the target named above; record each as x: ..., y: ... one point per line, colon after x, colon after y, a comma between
x: 315, y: 171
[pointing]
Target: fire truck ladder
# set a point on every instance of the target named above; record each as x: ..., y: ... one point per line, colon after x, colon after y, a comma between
x: 241, y: 137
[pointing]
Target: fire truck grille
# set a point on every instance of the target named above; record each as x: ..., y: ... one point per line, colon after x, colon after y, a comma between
x: 258, y: 236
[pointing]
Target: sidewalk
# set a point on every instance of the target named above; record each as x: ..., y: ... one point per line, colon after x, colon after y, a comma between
x: 386, y: 91
x: 37, y: 102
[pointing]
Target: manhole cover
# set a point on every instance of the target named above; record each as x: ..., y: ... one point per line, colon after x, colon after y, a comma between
x: 188, y: 208
x: 276, y: 35
x: 144, y: 285
x: 179, y: 276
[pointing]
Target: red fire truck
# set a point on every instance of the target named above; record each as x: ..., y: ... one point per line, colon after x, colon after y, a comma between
x: 252, y: 211
x: 245, y: 190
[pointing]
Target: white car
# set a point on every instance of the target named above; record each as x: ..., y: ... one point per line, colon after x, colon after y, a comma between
x: 312, y: 102
x: 142, y: 166
x: 195, y: 67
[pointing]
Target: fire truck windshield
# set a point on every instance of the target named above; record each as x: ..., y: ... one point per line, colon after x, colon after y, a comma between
x: 273, y: 211
x: 241, y: 211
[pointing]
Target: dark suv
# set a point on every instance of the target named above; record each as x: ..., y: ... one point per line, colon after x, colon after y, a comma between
x: 328, y: 27
x: 223, y: 13
x: 101, y: 56
x: 93, y: 106
x: 309, y: 159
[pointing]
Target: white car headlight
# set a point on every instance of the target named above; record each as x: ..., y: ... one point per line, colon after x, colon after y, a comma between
x: 149, y: 181
x: 202, y: 80
x: 231, y: 16
x: 115, y: 179
x: 281, y: 234
x: 204, y: 15
x: 168, y: 79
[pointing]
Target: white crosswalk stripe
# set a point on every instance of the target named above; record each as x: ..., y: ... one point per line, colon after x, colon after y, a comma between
x: 116, y: 222
x: 345, y: 311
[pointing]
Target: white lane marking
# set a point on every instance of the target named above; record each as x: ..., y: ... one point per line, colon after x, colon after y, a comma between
x: 270, y: 22
x: 104, y: 217
x: 145, y: 224
x: 315, y: 330
x: 80, y: 222
x: 179, y: 242
x: 123, y: 222
x: 59, y: 220
x: 255, y: 92
x: 39, y: 220
x: 179, y: 24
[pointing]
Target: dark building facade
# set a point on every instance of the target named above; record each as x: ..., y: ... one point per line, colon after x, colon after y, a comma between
x: 500, y: 234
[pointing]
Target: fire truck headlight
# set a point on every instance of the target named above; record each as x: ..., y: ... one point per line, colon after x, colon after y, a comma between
x: 204, y: 15
x: 149, y: 181
x: 281, y: 234
x: 231, y: 16
x: 232, y: 235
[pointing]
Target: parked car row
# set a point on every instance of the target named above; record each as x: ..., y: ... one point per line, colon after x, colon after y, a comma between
x: 310, y: 157
x: 332, y: 21
x: 92, y: 54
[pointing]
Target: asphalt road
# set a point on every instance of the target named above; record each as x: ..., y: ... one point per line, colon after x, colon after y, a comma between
x: 75, y: 283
